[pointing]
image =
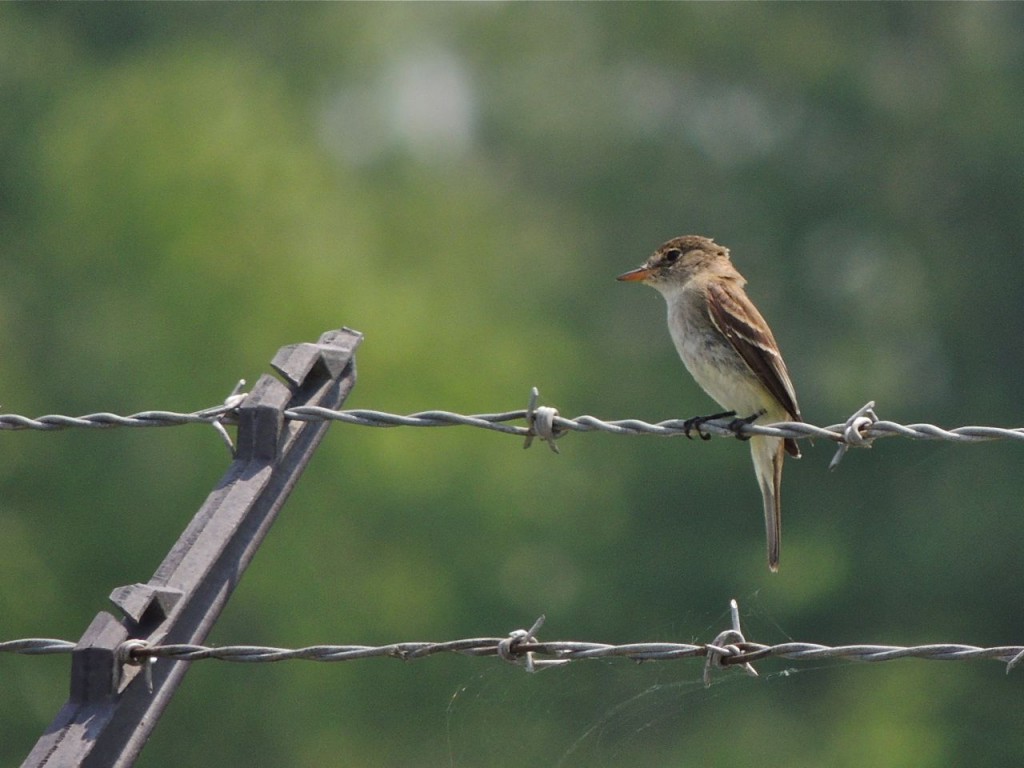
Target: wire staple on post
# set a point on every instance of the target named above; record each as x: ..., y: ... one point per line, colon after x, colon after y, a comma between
x: 126, y: 654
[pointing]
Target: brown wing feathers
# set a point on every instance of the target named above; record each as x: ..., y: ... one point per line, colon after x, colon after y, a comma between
x: 740, y: 322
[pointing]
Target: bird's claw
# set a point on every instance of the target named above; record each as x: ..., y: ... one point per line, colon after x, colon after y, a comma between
x: 735, y: 424
x: 699, y: 421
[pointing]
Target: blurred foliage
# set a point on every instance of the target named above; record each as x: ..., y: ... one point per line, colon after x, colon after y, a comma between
x: 185, y: 188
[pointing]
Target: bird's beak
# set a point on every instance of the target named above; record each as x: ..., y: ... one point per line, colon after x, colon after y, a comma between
x: 636, y: 275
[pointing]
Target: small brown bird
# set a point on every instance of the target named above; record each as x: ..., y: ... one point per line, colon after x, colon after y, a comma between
x: 729, y: 350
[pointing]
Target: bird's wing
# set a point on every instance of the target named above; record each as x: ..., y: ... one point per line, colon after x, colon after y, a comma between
x: 740, y: 322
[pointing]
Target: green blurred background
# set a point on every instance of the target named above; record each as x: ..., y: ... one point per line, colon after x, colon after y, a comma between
x: 185, y: 188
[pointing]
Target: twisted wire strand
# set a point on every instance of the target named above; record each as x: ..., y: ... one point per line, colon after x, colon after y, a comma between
x: 55, y: 422
x: 37, y: 646
x: 523, y: 646
x: 863, y: 434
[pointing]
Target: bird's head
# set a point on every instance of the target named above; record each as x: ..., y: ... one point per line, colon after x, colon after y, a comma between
x: 675, y: 262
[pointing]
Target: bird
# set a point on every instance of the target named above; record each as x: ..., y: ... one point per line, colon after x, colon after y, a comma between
x: 730, y: 351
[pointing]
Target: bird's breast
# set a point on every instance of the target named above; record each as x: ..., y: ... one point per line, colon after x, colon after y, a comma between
x: 713, y: 363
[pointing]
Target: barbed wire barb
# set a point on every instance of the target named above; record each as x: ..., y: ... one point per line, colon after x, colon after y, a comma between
x: 853, y: 432
x: 230, y: 405
x: 727, y: 644
x: 540, y: 422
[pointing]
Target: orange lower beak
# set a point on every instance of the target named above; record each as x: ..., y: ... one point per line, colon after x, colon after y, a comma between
x: 635, y: 275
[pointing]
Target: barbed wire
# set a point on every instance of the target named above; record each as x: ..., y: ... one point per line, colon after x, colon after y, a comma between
x: 521, y: 647
x: 53, y: 422
x: 860, y: 430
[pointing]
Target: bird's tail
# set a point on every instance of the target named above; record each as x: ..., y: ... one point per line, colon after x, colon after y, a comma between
x: 768, y: 454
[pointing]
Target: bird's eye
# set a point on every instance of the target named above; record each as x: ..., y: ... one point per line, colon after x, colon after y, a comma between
x: 672, y: 256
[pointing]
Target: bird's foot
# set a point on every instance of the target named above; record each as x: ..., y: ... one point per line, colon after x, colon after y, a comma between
x: 735, y: 424
x: 699, y: 421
